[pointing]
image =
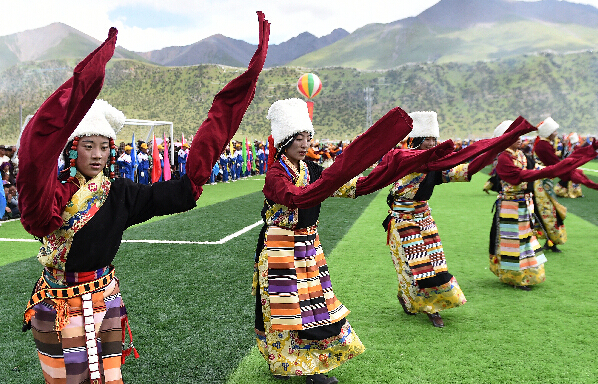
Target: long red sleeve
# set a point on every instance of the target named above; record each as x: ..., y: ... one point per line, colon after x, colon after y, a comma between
x: 225, y: 115
x: 483, y: 151
x: 512, y: 174
x: 398, y: 163
x: 357, y: 157
x: 578, y: 177
x: 42, y: 197
x: 545, y: 152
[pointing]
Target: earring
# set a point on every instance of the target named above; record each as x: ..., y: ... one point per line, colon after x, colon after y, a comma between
x: 112, y: 159
x: 72, y: 158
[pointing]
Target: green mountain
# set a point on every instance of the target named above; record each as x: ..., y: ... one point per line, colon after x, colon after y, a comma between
x: 464, y: 31
x: 471, y: 98
x: 56, y: 41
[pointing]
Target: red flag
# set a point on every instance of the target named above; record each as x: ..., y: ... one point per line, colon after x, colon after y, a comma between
x: 156, y: 169
x: 166, y: 161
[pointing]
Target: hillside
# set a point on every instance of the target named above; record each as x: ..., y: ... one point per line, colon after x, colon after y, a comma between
x: 219, y: 49
x: 464, y: 31
x: 471, y: 99
x: 56, y: 41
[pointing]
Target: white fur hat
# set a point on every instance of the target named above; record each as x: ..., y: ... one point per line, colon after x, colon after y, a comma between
x: 289, y: 117
x: 502, y: 127
x: 573, y: 138
x: 102, y: 119
x: 425, y: 124
x: 547, y: 127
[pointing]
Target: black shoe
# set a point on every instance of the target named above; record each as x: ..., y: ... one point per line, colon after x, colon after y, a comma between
x: 403, y: 305
x: 320, y: 379
x: 436, y: 320
x: 555, y: 249
x: 524, y: 287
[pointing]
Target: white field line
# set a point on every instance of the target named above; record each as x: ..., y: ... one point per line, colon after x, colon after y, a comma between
x: 589, y: 170
x: 221, y: 241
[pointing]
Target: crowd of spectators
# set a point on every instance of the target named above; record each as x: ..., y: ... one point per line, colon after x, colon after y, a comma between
x: 235, y: 162
x: 9, y: 198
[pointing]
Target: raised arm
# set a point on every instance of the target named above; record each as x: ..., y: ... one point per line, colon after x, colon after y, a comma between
x: 357, y: 157
x: 512, y: 174
x: 225, y: 115
x: 484, y: 151
x: 398, y: 163
x: 42, y: 197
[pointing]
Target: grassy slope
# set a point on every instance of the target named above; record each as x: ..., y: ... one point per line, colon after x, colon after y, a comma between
x: 383, y: 46
x: 471, y: 99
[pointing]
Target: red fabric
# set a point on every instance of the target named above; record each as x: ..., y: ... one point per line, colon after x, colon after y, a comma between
x: 357, y: 157
x: 271, y: 151
x: 512, y: 174
x: 518, y: 128
x: 487, y: 149
x: 226, y: 113
x: 42, y: 197
x: 398, y: 163
x: 578, y: 177
x: 156, y: 167
x: 545, y: 152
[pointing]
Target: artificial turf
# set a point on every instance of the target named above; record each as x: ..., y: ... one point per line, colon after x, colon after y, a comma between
x: 192, y: 313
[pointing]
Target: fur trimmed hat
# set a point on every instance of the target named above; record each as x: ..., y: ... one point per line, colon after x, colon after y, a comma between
x: 502, y: 127
x: 547, y: 127
x: 289, y: 117
x: 102, y: 119
x: 425, y: 124
x: 573, y: 138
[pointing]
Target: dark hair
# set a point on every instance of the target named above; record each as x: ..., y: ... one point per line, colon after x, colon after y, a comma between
x: 415, y: 142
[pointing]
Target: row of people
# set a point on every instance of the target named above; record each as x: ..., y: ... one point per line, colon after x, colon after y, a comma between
x: 76, y: 313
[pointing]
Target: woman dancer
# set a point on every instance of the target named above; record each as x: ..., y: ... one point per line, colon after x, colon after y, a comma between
x: 76, y: 313
x: 516, y: 257
x: 425, y: 285
x: 300, y: 324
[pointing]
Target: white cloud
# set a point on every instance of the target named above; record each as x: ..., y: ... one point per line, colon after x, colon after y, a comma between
x: 232, y: 18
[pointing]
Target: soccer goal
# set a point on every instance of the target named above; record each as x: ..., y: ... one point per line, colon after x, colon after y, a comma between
x: 144, y: 130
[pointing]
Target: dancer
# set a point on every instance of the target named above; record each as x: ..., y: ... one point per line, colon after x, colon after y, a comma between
x: 545, y: 154
x: 516, y: 257
x: 76, y: 313
x: 300, y: 324
x: 425, y: 285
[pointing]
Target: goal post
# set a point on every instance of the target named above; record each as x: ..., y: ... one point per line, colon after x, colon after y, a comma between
x: 151, y: 126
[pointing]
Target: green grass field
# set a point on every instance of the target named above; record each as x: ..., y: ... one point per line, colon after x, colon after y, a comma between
x: 191, y: 310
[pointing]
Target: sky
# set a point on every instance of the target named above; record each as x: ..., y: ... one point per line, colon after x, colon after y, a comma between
x: 146, y: 25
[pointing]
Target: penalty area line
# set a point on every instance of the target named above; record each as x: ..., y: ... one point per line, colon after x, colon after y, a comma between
x: 219, y: 242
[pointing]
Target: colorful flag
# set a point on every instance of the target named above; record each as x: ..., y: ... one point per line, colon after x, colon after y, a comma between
x: 183, y: 141
x: 166, y: 161
x: 156, y: 168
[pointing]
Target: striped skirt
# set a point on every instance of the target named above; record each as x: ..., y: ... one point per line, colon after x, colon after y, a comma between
x: 416, y: 251
x: 516, y: 256
x: 304, y: 304
x: 88, y: 346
